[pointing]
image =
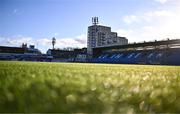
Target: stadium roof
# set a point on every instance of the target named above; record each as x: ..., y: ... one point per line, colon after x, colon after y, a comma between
x: 174, y: 42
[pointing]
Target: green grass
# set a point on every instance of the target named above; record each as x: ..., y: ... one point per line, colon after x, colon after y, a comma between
x: 88, y: 88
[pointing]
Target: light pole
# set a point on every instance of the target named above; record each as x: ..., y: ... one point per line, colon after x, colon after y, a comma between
x: 53, y: 42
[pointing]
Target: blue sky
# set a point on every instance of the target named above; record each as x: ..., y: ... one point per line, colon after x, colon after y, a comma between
x: 37, y: 21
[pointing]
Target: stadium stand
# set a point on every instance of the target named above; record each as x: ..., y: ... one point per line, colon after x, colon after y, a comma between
x: 157, y: 52
x: 23, y: 54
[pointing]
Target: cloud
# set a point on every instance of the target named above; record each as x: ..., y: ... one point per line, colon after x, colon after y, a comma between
x: 44, y: 43
x: 18, y: 41
x: 16, y: 12
x: 78, y: 41
x: 130, y: 19
x: 82, y: 39
x: 161, y: 1
x: 158, y: 13
x: 15, y: 40
x: 148, y: 16
x: 56, y: 34
x: 158, y: 23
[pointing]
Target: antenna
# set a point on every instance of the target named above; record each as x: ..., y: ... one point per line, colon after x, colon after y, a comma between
x: 95, y: 20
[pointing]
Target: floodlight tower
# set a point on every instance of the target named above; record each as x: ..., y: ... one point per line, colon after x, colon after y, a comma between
x: 53, y: 42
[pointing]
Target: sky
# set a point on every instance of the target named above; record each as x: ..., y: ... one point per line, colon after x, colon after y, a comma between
x: 37, y: 21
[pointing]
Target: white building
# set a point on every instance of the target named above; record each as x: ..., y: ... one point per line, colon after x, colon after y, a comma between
x: 99, y: 36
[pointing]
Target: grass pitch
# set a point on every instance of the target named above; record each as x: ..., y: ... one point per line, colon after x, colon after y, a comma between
x: 88, y: 88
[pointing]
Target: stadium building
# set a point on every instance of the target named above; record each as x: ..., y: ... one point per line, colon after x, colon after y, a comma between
x: 165, y: 52
x: 68, y: 55
x: 22, y: 53
x: 99, y: 35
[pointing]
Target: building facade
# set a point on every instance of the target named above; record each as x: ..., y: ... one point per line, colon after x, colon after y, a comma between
x: 22, y: 53
x: 74, y: 55
x: 100, y: 36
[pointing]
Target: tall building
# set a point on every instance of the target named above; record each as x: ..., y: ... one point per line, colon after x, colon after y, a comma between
x: 99, y: 36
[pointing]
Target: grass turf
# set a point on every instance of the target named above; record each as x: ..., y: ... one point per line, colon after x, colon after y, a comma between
x: 88, y: 88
